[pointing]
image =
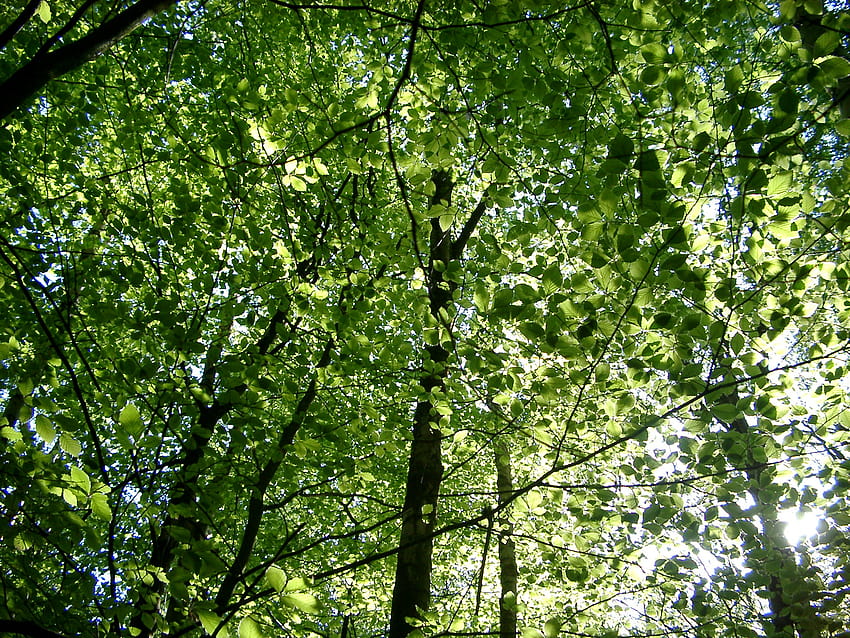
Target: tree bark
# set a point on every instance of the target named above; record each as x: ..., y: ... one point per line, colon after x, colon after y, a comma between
x: 508, y: 571
x: 35, y: 74
x: 412, y: 588
x: 787, y: 617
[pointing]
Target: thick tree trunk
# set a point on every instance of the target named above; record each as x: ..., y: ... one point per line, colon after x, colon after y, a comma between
x: 412, y: 588
x: 508, y: 571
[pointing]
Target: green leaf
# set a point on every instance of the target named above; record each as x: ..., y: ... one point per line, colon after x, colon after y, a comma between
x: 725, y: 412
x: 81, y: 478
x: 303, y: 601
x: 532, y: 330
x: 70, y: 445
x: 553, y: 279
x: 100, y: 506
x: 10, y: 434
x: 614, y: 429
x: 621, y: 147
x: 248, y: 628
x: 26, y: 387
x: 276, y: 577
x: 737, y: 343
x: 734, y: 79
x: 210, y: 622
x: 446, y: 220
x: 779, y: 184
x: 654, y: 52
x: 652, y: 75
x: 826, y: 43
x: 296, y: 583
x: 297, y: 184
x: 45, y: 429
x: 531, y: 632
x: 131, y: 419
x: 552, y: 628
x: 603, y: 371
x: 481, y: 298
x: 43, y: 12
x: 833, y: 67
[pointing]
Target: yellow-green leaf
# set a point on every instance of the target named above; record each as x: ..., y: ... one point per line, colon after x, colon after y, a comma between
x: 10, y: 434
x: 248, y: 628
x: 81, y: 478
x: 70, y: 445
x: 100, y: 507
x: 210, y: 622
x: 296, y: 583
x: 45, y: 429
x: 276, y: 577
x: 305, y: 602
x: 43, y: 12
x: 130, y: 419
x: 552, y: 628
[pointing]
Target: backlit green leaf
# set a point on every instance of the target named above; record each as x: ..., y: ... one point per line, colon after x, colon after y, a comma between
x: 276, y: 577
x: 131, y: 419
x: 44, y: 428
x: 211, y: 623
x: 303, y: 601
x: 248, y: 628
x: 100, y: 506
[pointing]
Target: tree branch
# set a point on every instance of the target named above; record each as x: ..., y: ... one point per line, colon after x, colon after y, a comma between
x: 468, y: 228
x: 18, y: 23
x: 27, y: 628
x: 255, y: 505
x: 35, y: 74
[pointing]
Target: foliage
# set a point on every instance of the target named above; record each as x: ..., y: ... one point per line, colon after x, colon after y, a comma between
x: 216, y: 274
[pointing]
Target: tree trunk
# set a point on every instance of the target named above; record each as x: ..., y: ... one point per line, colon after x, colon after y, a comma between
x: 788, y: 617
x: 412, y: 588
x: 508, y: 572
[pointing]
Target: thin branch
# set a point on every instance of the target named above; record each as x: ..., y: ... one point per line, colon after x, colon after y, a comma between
x: 60, y: 352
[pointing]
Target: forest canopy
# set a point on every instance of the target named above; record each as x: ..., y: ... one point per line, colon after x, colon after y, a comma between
x: 424, y: 318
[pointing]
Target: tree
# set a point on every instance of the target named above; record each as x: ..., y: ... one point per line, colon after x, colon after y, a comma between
x: 423, y: 318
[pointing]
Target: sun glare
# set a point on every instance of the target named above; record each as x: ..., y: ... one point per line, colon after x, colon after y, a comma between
x: 799, y: 525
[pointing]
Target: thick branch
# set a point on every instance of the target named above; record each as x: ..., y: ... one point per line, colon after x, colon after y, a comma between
x: 468, y: 228
x: 35, y: 74
x: 18, y: 23
x: 27, y: 628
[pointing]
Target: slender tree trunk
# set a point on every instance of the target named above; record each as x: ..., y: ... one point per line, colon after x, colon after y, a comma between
x: 508, y: 571
x: 788, y: 617
x: 412, y: 587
